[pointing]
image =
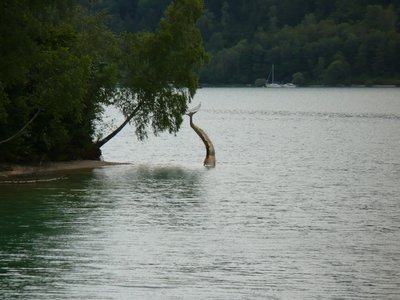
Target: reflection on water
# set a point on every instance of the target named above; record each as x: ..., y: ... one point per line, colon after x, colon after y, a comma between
x: 302, y: 205
x: 34, y: 227
x: 166, y: 182
x: 57, y: 237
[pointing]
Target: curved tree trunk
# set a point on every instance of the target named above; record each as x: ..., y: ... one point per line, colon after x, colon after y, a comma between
x: 209, y: 161
x: 105, y: 140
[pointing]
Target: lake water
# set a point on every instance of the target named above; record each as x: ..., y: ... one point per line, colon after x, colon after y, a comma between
x: 304, y: 204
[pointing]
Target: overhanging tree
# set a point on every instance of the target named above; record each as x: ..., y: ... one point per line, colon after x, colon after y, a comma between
x: 65, y: 64
x: 158, y: 72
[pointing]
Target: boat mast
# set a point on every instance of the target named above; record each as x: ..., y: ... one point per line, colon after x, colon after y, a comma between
x: 273, y: 79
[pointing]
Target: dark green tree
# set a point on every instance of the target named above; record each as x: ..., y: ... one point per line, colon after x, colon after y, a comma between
x: 46, y: 75
x: 337, y: 72
x: 60, y: 65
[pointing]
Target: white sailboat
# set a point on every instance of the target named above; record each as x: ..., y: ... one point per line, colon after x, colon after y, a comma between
x: 272, y: 84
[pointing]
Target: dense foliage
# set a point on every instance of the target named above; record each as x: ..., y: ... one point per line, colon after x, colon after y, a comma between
x: 309, y: 41
x: 60, y: 65
x: 47, y: 66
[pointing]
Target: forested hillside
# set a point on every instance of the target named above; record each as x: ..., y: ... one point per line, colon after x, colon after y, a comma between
x: 308, y: 41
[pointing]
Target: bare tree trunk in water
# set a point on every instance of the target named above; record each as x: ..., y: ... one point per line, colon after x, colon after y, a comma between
x: 209, y: 161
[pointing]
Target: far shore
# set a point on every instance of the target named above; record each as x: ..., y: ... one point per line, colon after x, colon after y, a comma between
x: 369, y: 86
x: 9, y: 171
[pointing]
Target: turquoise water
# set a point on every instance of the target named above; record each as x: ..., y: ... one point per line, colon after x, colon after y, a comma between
x: 303, y: 204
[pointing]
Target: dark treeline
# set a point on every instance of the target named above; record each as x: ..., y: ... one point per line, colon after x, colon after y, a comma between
x: 309, y: 41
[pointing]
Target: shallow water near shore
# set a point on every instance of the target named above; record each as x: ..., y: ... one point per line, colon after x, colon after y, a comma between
x: 303, y: 204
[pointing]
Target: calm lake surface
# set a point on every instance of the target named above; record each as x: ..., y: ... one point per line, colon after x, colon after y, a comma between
x: 304, y: 204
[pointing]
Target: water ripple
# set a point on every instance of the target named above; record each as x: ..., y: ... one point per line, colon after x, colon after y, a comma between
x: 303, y: 204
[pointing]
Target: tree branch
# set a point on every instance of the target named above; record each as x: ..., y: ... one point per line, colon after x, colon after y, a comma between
x: 116, y: 131
x: 22, y: 129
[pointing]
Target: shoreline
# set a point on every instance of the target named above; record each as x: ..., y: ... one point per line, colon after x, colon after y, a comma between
x: 14, y: 171
x: 361, y: 86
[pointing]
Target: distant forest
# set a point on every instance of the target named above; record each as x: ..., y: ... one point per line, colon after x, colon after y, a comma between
x: 336, y: 42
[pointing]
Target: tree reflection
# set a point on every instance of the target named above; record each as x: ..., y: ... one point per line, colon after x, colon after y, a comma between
x: 159, y: 194
x: 36, y: 223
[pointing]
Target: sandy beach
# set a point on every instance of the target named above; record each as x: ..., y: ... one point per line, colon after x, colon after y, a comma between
x: 12, y: 171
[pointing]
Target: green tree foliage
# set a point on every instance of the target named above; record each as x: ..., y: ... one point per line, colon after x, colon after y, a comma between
x: 337, y: 71
x: 158, y: 69
x: 298, y: 79
x: 60, y: 65
x: 44, y: 68
x: 130, y: 15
